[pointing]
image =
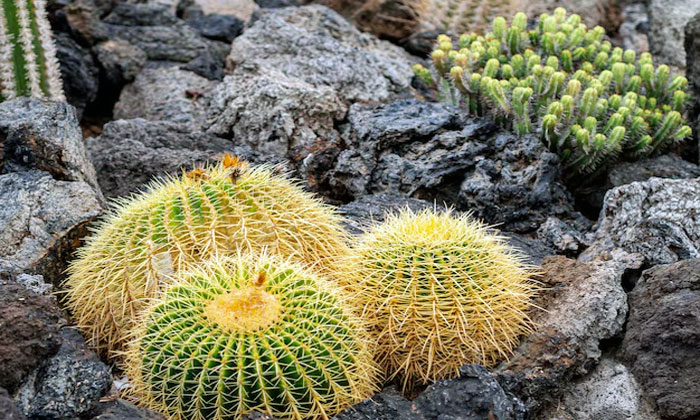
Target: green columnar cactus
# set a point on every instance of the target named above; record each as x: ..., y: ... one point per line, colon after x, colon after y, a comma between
x: 438, y: 292
x: 590, y: 103
x: 250, y: 333
x: 28, y: 64
x: 214, y: 211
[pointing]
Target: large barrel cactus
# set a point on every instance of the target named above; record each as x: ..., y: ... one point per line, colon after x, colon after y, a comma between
x: 28, y: 65
x: 250, y: 333
x: 589, y: 102
x: 213, y: 211
x: 438, y: 292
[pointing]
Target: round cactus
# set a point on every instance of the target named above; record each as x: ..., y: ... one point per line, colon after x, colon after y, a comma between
x: 245, y: 333
x: 438, y: 292
x: 217, y: 210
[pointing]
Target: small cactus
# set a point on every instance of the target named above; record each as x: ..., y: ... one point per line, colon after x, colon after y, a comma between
x: 222, y: 209
x: 439, y: 291
x: 589, y: 102
x: 250, y: 333
x: 28, y: 64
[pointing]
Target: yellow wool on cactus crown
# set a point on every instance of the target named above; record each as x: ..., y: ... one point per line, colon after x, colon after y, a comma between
x: 439, y: 291
x: 218, y: 210
x: 250, y: 332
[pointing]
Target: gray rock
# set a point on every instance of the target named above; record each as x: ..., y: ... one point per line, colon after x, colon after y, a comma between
x: 692, y: 50
x: 29, y: 330
x: 475, y: 395
x: 561, y: 236
x: 293, y: 73
x: 386, y: 405
x: 41, y: 220
x: 83, y: 20
x: 634, y: 27
x: 563, y: 345
x: 164, y: 94
x: 68, y: 385
x: 8, y: 407
x: 130, y: 153
x: 667, y: 20
x: 120, y: 61
x: 44, y: 135
x: 78, y: 72
x: 665, y: 166
x: 663, y: 332
x: 428, y: 151
x: 34, y: 283
x: 157, y: 31
x: 124, y: 410
x: 657, y: 218
x: 610, y: 392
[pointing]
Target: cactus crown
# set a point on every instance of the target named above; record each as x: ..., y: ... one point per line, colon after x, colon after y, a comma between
x: 28, y: 64
x: 247, y: 333
x: 438, y: 292
x: 220, y: 209
x: 589, y: 102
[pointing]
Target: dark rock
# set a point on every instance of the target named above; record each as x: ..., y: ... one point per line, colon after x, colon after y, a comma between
x: 130, y: 153
x: 692, y: 51
x: 657, y: 218
x: 386, y: 405
x: 160, y: 34
x: 559, y: 235
x: 564, y: 346
x: 78, y: 72
x: 42, y: 219
x: 533, y: 250
x: 257, y: 416
x: 276, y: 4
x: 475, y: 395
x: 206, y: 66
x: 8, y: 408
x: 120, y: 61
x: 83, y: 20
x: 293, y: 73
x: 217, y: 27
x: 422, y: 43
x: 29, y: 331
x: 124, y: 410
x: 663, y: 332
x: 43, y: 135
x: 428, y: 151
x: 68, y: 385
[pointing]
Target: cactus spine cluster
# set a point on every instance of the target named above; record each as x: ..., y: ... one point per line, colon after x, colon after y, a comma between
x: 218, y: 210
x: 250, y: 333
x: 439, y: 291
x: 28, y: 64
x: 589, y: 102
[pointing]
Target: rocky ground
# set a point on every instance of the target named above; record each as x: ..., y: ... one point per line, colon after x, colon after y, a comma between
x: 154, y: 87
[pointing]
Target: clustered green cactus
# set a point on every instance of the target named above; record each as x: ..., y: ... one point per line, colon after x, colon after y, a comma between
x: 589, y: 102
x: 28, y: 64
x: 251, y: 333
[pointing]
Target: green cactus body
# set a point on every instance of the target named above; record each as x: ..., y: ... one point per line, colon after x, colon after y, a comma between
x: 220, y: 210
x: 590, y: 103
x: 438, y: 292
x: 250, y: 333
x: 28, y: 64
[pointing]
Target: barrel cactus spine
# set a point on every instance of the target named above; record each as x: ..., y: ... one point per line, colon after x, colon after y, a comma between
x: 220, y: 209
x: 589, y: 102
x: 439, y: 291
x: 250, y: 332
x: 28, y: 64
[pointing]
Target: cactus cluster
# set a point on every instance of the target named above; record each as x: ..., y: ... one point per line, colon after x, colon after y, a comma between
x: 217, y: 210
x: 28, y: 64
x: 589, y: 102
x: 250, y: 333
x: 439, y: 291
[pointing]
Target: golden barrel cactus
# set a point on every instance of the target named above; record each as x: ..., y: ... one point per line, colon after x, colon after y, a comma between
x: 246, y: 333
x: 439, y: 291
x: 219, y: 210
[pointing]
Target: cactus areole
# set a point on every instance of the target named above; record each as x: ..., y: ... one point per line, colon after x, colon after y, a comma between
x: 251, y: 332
